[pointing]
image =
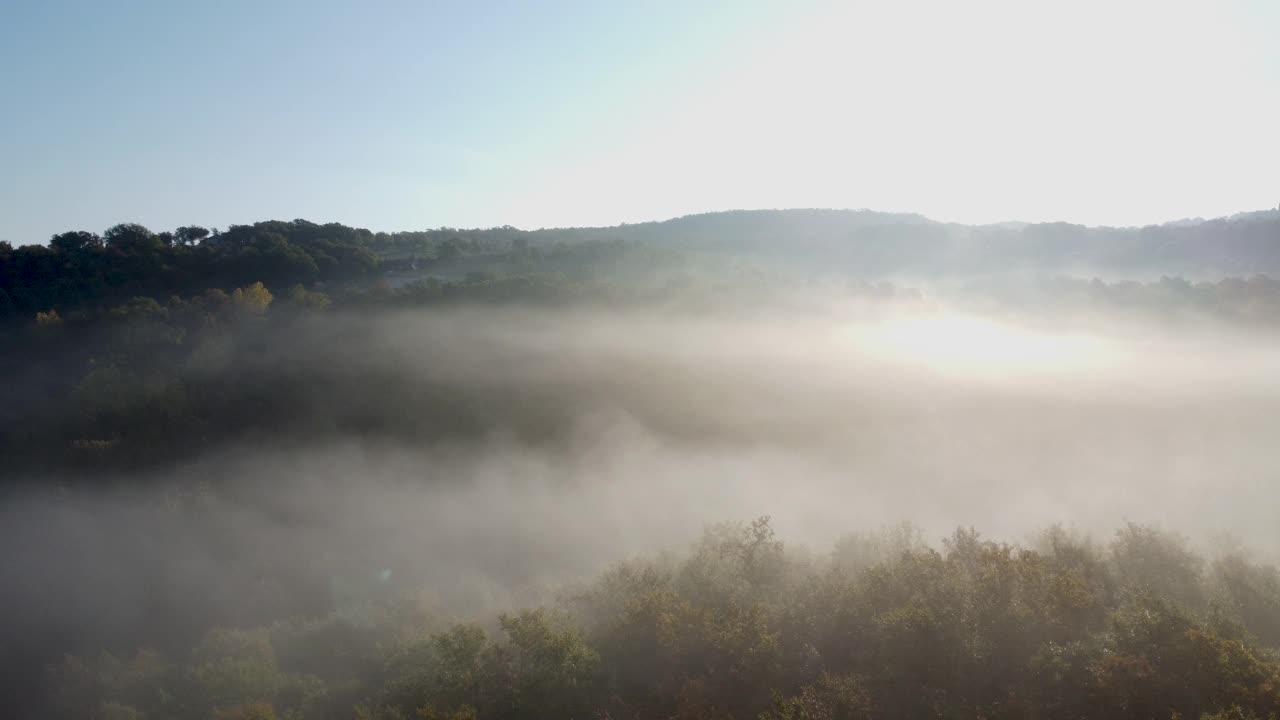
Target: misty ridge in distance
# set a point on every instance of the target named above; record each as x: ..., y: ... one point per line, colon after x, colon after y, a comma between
x: 873, y: 243
x: 477, y: 421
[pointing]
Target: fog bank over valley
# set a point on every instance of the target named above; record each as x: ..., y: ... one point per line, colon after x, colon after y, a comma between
x: 625, y: 432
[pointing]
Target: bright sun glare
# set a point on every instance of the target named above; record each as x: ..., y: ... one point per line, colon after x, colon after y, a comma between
x: 968, y: 344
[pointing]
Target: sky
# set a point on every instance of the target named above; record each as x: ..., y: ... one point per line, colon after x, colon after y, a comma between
x: 399, y: 114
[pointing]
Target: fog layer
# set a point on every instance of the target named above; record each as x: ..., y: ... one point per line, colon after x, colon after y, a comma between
x: 619, y: 432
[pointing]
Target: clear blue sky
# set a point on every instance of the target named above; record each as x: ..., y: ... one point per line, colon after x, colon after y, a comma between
x: 404, y: 115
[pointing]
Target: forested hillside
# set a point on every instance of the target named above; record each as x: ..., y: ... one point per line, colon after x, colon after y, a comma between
x: 291, y: 470
x: 741, y: 626
x: 78, y: 269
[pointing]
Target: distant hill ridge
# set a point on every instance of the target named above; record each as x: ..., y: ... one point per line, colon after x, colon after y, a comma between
x: 877, y: 242
x: 879, y: 217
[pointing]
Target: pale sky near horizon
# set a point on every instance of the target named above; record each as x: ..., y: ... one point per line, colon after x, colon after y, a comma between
x: 405, y: 115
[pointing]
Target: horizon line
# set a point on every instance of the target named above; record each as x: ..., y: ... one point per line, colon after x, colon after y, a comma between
x: 727, y: 211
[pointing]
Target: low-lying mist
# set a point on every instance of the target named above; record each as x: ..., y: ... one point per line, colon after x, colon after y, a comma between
x: 619, y: 432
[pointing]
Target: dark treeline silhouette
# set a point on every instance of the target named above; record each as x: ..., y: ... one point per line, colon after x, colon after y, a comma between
x: 81, y: 268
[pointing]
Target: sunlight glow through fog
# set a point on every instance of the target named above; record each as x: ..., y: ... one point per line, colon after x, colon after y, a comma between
x: 970, y: 345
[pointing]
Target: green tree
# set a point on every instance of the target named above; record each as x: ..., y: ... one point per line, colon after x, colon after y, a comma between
x: 75, y: 241
x: 190, y: 235
x: 132, y: 238
x: 232, y: 668
x: 544, y: 669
